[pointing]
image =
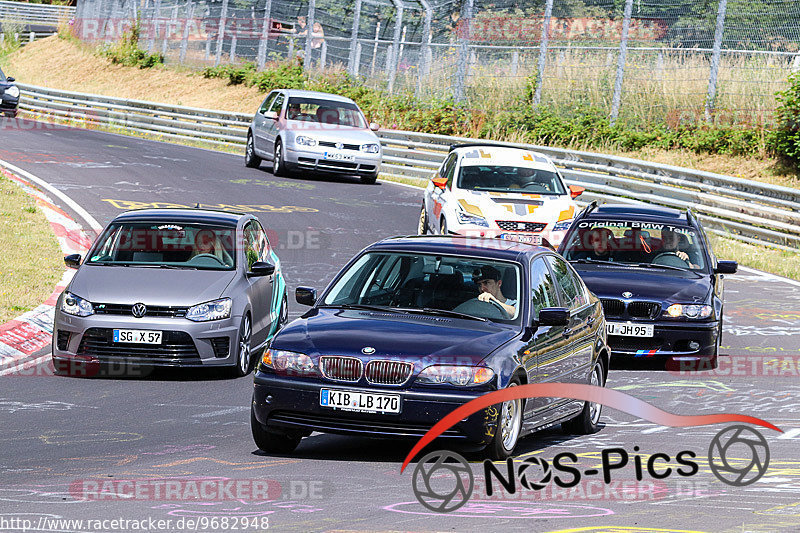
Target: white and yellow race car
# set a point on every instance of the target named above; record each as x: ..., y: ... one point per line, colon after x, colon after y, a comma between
x: 486, y: 190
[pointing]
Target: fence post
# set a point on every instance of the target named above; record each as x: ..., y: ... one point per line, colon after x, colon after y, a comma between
x: 263, y: 43
x: 221, y: 31
x: 312, y: 5
x: 151, y: 39
x: 715, y: 55
x: 542, y: 61
x: 514, y: 62
x: 234, y: 40
x: 395, y: 52
x: 208, y: 46
x: 173, y: 22
x: 623, y: 52
x: 463, y: 51
x: 351, y: 64
x: 357, y: 64
x: 189, y: 22
x: 796, y: 64
x: 425, y: 48
x: 375, y: 48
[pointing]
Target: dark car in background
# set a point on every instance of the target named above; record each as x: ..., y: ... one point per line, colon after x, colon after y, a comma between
x: 9, y: 96
x: 414, y: 327
x: 172, y: 287
x: 660, y: 284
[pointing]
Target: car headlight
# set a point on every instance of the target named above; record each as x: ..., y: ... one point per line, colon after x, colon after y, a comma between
x: 563, y: 225
x: 371, y: 148
x: 13, y: 91
x: 466, y: 218
x: 288, y: 362
x: 694, y: 311
x: 216, y: 310
x: 455, y: 375
x: 75, y: 305
x: 305, y: 141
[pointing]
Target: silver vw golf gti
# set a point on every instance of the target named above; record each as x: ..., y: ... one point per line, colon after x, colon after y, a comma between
x: 172, y: 287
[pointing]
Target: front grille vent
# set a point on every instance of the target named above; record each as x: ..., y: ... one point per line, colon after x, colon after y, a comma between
x: 341, y: 368
x: 388, y: 372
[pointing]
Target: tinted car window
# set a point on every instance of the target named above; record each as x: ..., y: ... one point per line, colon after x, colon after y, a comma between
x: 266, y: 103
x: 2, y: 76
x: 161, y: 243
x: 509, y: 179
x: 277, y: 104
x: 543, y: 288
x: 256, y: 245
x: 568, y: 283
x: 325, y: 112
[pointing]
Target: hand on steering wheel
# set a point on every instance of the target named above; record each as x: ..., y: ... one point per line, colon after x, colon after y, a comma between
x: 488, y: 298
x: 212, y: 256
x: 683, y: 256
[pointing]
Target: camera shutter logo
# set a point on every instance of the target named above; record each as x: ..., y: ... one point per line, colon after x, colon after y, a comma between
x: 139, y: 310
x: 738, y: 455
x: 543, y: 479
x: 443, y: 486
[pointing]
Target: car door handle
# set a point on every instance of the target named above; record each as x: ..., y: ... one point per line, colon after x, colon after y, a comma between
x: 567, y: 332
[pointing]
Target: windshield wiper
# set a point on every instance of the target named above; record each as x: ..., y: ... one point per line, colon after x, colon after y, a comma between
x: 363, y: 307
x: 444, y: 312
x: 668, y: 267
x: 599, y: 261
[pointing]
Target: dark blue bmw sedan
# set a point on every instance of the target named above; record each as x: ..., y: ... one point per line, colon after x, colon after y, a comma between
x: 414, y: 327
x: 660, y: 284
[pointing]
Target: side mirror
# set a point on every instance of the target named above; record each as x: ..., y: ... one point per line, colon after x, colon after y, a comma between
x: 73, y: 261
x: 553, y: 316
x: 374, y: 126
x: 305, y: 295
x: 262, y: 268
x: 439, y: 182
x: 10, y: 79
x: 272, y: 115
x: 576, y: 190
x: 726, y: 267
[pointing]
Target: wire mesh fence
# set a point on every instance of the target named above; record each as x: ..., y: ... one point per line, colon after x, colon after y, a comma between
x: 673, y: 61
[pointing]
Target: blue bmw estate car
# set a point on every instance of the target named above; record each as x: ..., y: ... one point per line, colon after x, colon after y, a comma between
x: 414, y: 327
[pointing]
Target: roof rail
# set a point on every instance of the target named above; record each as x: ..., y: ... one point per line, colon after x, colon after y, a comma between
x: 690, y: 217
x: 586, y: 210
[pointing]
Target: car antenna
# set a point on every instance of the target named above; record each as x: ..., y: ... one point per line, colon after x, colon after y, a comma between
x: 197, y: 205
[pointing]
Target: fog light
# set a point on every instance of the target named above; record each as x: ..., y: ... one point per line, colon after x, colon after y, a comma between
x: 694, y: 345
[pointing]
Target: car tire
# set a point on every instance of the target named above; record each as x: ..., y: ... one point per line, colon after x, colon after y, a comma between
x: 588, y: 421
x: 243, y: 356
x: 509, y: 427
x: 278, y: 164
x: 369, y: 179
x: 271, y: 442
x: 251, y: 160
x: 422, y: 227
x: 443, y: 227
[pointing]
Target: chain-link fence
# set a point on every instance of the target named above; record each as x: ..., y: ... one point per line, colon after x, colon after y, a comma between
x: 674, y: 61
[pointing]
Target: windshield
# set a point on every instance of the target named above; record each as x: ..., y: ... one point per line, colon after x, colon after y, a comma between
x: 509, y: 179
x: 2, y: 76
x: 198, y: 246
x: 637, y: 243
x: 325, y: 112
x: 429, y: 283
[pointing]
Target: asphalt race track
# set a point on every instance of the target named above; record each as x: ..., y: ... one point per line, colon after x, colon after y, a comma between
x: 60, y: 435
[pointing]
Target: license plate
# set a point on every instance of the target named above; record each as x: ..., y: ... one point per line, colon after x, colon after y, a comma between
x: 629, y: 330
x: 137, y: 336
x: 362, y: 402
x: 521, y: 237
x: 337, y: 156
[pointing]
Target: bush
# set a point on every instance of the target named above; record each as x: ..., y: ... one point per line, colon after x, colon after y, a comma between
x: 786, y: 138
x: 126, y: 52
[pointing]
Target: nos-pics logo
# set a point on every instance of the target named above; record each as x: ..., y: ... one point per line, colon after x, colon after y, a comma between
x: 443, y: 481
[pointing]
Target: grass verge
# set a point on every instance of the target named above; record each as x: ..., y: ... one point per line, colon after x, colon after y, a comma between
x: 33, y: 263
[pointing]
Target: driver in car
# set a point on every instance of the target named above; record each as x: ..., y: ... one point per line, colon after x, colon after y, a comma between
x: 489, y: 282
x: 672, y: 241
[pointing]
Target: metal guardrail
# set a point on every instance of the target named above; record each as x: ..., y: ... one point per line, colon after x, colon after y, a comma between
x: 43, y: 14
x: 749, y: 211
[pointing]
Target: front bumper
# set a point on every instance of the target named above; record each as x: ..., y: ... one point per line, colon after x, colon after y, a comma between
x: 313, y: 159
x: 8, y: 105
x: 678, y: 341
x: 184, y: 343
x: 291, y: 405
x: 525, y: 237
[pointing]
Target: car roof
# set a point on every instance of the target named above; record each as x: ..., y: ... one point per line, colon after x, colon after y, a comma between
x: 638, y: 212
x: 503, y: 153
x: 182, y: 215
x: 489, y: 248
x: 316, y: 94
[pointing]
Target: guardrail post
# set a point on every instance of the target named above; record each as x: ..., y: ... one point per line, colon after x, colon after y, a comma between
x: 351, y: 60
x: 312, y: 6
x: 623, y: 53
x: 186, y: 29
x: 263, y: 43
x: 463, y: 51
x: 542, y: 61
x: 715, y: 55
x: 221, y: 31
x: 31, y: 37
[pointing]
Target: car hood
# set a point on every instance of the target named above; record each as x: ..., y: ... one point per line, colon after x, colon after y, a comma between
x: 151, y: 286
x: 645, y: 284
x: 516, y: 206
x: 413, y: 337
x: 332, y: 133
